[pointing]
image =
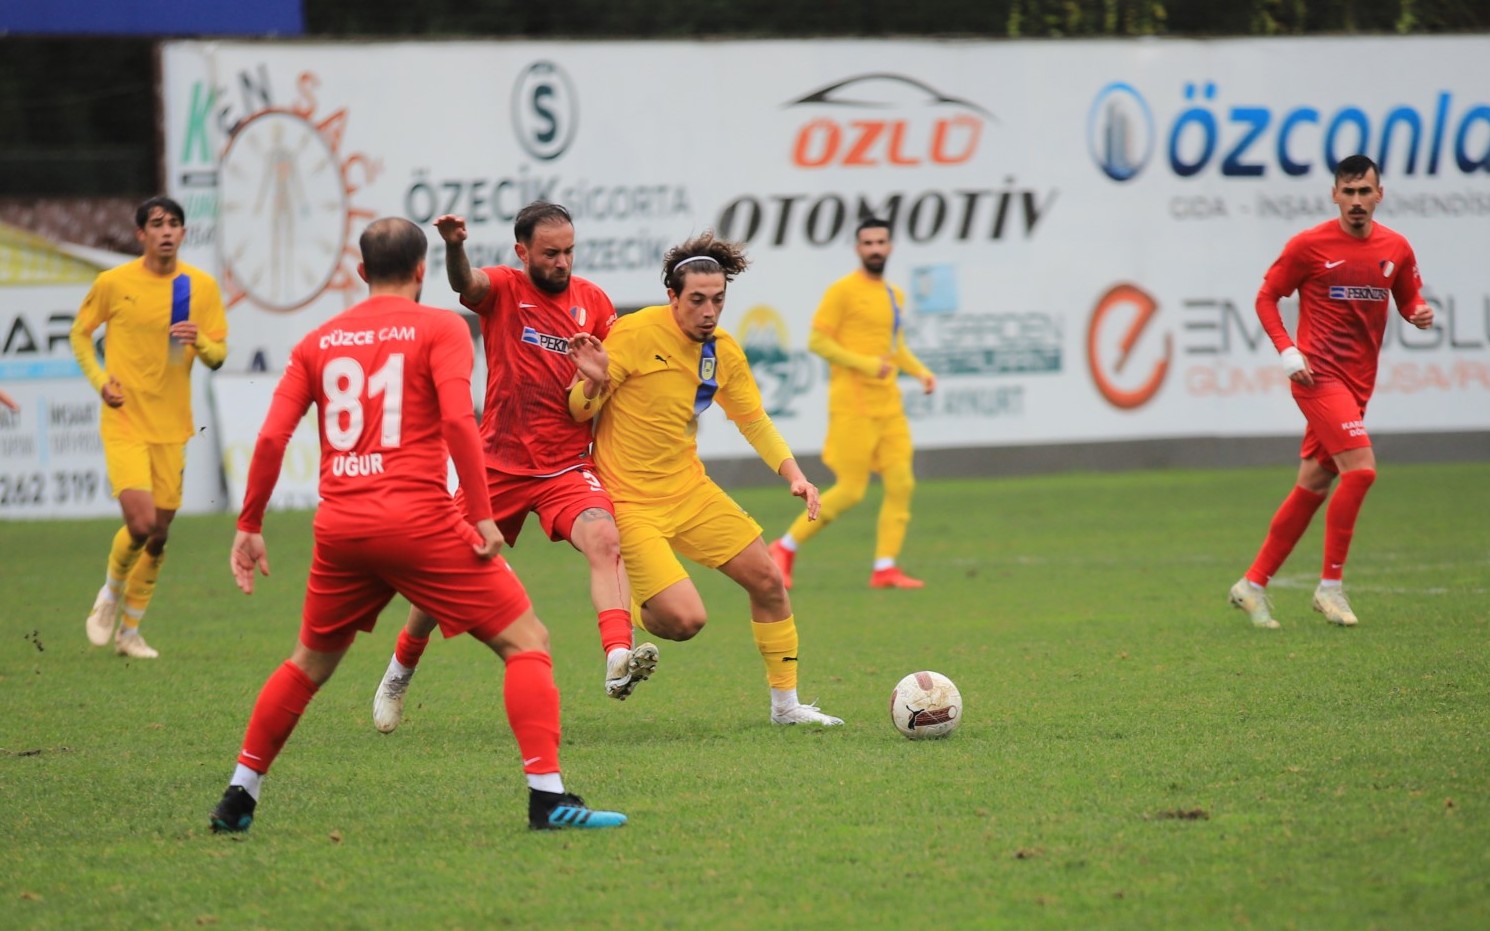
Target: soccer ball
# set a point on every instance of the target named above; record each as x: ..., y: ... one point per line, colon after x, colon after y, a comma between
x: 925, y: 705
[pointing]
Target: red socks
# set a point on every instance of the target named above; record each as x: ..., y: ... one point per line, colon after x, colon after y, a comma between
x: 408, y: 649
x: 281, y: 702
x: 615, y: 629
x: 1339, y: 519
x: 1289, y: 523
x: 532, y: 701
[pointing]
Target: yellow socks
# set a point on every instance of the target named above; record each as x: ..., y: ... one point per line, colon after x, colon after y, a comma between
x: 139, y: 588
x: 777, y: 642
x: 123, y: 554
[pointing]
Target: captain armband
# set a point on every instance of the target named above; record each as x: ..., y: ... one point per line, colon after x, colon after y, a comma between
x: 584, y: 409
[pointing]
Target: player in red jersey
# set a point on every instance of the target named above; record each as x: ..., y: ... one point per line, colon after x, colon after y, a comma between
x: 537, y: 457
x: 1344, y: 271
x: 391, y: 384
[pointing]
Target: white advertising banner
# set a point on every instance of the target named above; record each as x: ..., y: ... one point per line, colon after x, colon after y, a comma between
x: 51, y: 457
x: 299, y: 475
x: 1080, y: 227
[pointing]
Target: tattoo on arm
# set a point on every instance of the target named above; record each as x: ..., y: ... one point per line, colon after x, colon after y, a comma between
x: 469, y: 285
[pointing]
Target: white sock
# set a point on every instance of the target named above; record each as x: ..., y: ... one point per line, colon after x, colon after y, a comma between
x: 546, y: 782
x: 248, y: 779
x: 399, y: 669
x: 788, y: 542
x: 1330, y: 583
x: 883, y: 563
x: 784, y: 699
x: 111, y: 588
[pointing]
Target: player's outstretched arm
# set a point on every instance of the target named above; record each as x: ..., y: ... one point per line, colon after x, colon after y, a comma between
x: 463, y: 280
x: 249, y: 553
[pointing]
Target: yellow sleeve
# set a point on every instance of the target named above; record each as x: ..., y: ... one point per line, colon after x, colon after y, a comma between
x: 766, y: 440
x: 739, y: 396
x: 906, y: 360
x: 820, y: 343
x: 91, y: 315
x: 212, y: 329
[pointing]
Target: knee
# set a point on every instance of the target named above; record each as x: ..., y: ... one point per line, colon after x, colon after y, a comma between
x: 675, y: 625
x: 767, y: 589
x: 604, y: 545
x: 141, y: 528
x: 524, y: 635
x: 899, y: 483
x: 850, y: 493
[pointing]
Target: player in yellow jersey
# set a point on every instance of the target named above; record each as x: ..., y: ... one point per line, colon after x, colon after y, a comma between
x: 161, y: 316
x: 657, y: 372
x: 858, y: 329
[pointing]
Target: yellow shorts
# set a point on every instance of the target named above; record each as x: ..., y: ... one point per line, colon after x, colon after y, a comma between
x: 856, y: 443
x: 138, y: 466
x: 706, y: 525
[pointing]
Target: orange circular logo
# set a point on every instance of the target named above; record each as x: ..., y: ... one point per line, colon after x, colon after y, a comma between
x: 1106, y: 366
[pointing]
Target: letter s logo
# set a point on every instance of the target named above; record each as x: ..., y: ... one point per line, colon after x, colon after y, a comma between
x: 1107, y: 360
x: 545, y: 110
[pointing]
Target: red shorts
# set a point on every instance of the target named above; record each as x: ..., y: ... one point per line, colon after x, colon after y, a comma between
x: 556, y: 499
x: 352, y: 579
x: 1336, y: 422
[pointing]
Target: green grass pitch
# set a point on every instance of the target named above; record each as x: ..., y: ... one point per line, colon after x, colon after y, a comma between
x: 1133, y: 754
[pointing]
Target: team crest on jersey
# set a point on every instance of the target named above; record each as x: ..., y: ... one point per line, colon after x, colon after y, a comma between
x: 706, y: 367
x: 545, y: 340
x: 1387, y: 268
x: 579, y: 315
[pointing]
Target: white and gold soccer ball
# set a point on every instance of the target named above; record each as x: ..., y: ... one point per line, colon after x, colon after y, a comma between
x: 925, y: 705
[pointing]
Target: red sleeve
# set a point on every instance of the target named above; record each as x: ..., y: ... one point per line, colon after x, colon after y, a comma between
x: 489, y: 302
x: 291, y: 400
x: 450, y: 359
x: 1282, y: 279
x: 607, y: 314
x: 1408, y: 283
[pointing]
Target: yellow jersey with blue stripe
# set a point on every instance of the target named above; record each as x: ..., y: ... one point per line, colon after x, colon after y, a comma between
x: 153, y: 370
x: 859, y: 325
x: 661, y: 381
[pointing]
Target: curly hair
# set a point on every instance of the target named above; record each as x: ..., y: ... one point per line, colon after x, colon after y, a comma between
x: 704, y: 254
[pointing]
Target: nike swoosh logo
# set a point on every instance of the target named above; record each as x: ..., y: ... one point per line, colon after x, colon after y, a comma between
x: 523, y: 306
x: 532, y: 760
x: 1334, y: 263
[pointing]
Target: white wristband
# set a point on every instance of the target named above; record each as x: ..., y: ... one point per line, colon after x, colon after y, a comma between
x: 1293, y: 361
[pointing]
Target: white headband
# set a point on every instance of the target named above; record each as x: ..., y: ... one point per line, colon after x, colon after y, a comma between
x: 694, y: 258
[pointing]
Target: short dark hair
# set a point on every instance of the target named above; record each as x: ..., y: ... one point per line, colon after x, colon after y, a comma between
x: 871, y: 223
x: 710, y: 255
x: 538, y: 212
x: 391, y: 249
x: 1355, y: 166
x: 143, y: 211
